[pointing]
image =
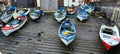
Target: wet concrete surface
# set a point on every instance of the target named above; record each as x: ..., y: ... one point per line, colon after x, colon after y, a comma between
x: 27, y: 41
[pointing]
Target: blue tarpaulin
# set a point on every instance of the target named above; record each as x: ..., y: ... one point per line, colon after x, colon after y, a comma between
x: 41, y: 11
x: 11, y: 8
x: 23, y: 14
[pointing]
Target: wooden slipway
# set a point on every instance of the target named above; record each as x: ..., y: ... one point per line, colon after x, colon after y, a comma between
x: 27, y: 41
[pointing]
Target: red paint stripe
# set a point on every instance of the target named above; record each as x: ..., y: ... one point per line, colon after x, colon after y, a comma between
x: 9, y: 28
x: 106, y: 45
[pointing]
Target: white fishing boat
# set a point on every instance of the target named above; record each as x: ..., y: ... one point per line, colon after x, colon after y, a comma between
x: 88, y: 8
x: 35, y: 14
x: 20, y: 11
x: 82, y: 15
x: 109, y: 36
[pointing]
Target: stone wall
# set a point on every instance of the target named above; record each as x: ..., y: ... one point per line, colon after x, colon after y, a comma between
x: 112, y: 10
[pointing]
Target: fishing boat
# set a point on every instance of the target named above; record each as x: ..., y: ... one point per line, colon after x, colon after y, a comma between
x: 82, y: 15
x: 35, y: 14
x: 60, y: 14
x: 7, y: 15
x: 20, y: 11
x: 14, y: 25
x: 67, y: 32
x: 109, y: 36
x: 71, y: 9
x: 88, y: 8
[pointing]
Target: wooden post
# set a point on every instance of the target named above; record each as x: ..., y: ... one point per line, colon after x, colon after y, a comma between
x: 35, y: 3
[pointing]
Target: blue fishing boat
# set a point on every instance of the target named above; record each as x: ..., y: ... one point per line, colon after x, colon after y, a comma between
x: 60, y: 14
x: 67, y: 32
x: 82, y: 15
x: 88, y: 8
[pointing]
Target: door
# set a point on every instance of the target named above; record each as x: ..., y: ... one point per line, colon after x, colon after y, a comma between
x: 60, y: 2
x: 48, y: 5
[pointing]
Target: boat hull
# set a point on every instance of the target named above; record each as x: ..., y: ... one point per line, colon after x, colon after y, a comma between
x: 81, y: 18
x: 109, y: 40
x: 67, y: 42
x: 8, y: 32
x: 32, y: 16
x: 6, y: 20
x: 15, y: 15
x: 71, y: 12
x: 69, y: 38
x: 59, y: 19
